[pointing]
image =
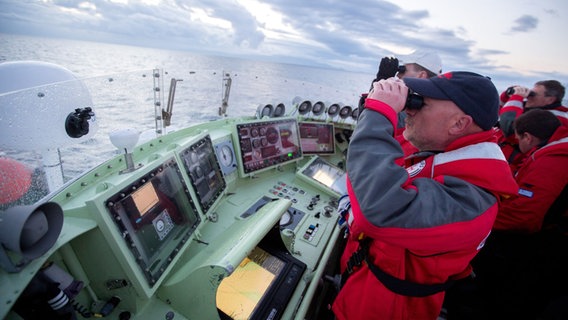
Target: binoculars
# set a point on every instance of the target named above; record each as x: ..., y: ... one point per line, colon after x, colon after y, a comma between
x: 511, y: 90
x: 414, y: 101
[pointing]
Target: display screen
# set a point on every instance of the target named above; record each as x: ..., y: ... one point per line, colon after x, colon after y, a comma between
x: 145, y: 198
x: 265, y: 144
x: 327, y: 174
x: 201, y: 165
x: 317, y: 137
x: 155, y: 216
x: 260, y: 286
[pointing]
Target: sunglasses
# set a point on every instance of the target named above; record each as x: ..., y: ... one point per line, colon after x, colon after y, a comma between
x: 532, y: 94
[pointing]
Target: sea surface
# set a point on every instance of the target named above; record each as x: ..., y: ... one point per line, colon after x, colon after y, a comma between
x: 119, y: 80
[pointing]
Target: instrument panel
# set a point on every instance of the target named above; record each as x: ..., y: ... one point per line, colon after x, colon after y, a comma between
x: 265, y: 144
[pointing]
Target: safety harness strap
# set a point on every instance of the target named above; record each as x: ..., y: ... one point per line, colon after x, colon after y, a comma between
x: 396, y: 285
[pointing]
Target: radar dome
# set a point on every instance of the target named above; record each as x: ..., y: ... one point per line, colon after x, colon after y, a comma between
x: 43, y: 106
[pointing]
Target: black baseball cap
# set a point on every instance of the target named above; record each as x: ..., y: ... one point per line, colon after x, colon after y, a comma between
x: 473, y: 93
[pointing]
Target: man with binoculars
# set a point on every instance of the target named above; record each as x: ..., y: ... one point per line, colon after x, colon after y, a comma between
x: 414, y: 229
x: 546, y: 95
x: 420, y: 64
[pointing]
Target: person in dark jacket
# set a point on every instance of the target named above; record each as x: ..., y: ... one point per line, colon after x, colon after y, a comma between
x: 414, y: 229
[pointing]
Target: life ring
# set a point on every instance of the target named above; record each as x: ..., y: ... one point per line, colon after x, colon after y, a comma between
x: 15, y: 180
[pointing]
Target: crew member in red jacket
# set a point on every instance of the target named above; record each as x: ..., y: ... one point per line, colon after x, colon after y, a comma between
x: 542, y: 176
x: 523, y: 266
x: 546, y: 95
x: 414, y: 230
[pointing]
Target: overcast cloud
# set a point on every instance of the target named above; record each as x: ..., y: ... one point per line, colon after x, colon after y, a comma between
x: 350, y: 35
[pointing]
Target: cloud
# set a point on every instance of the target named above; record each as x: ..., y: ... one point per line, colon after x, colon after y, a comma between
x: 312, y: 32
x: 350, y: 35
x: 526, y: 23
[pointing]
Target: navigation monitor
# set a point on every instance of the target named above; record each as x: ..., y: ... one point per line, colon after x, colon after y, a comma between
x: 260, y: 287
x: 265, y: 144
x: 317, y: 137
x: 204, y: 172
x: 157, y: 216
x: 325, y: 174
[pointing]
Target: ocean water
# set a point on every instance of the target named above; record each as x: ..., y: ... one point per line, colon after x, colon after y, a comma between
x: 122, y: 93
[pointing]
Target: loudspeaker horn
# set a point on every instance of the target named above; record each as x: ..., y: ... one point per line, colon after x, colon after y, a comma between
x: 28, y: 232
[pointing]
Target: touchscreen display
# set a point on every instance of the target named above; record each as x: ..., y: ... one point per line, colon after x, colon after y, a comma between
x: 317, y: 137
x: 327, y: 174
x: 266, y: 144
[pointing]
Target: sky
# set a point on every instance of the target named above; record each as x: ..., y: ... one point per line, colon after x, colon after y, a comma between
x: 513, y: 42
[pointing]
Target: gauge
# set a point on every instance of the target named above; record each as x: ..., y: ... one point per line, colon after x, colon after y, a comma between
x: 262, y: 131
x: 246, y: 145
x: 226, y: 155
x: 272, y: 135
x: 256, y: 143
x: 254, y: 132
x: 160, y: 225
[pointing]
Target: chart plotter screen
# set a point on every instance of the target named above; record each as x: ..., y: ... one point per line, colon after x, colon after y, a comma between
x: 260, y: 287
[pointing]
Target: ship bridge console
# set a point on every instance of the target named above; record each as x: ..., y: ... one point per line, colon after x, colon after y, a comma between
x: 228, y: 219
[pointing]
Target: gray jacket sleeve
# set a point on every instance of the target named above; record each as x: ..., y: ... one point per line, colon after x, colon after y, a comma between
x: 384, y: 194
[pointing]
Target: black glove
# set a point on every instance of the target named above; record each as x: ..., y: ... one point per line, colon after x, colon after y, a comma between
x: 387, y: 68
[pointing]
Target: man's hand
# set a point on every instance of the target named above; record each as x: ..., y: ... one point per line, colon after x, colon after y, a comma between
x: 521, y: 91
x: 392, y: 92
x: 387, y: 68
